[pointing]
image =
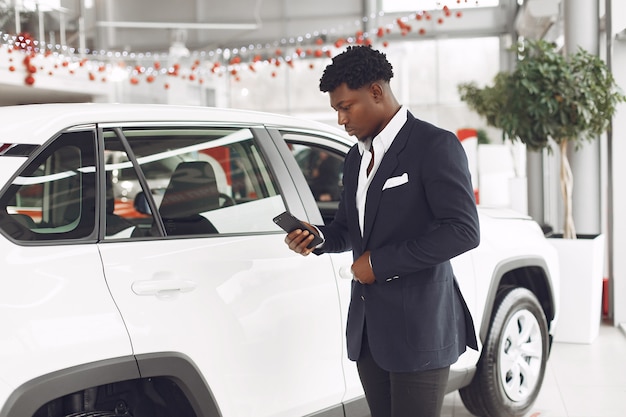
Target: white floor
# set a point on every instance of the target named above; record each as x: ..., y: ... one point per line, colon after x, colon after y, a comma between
x: 582, y: 380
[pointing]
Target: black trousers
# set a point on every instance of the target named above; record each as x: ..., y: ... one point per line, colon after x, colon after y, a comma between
x: 401, y: 394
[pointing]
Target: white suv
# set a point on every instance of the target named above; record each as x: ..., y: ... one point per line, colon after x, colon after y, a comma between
x: 142, y: 274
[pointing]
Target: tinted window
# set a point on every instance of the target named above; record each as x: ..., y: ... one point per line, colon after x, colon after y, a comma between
x: 199, y: 180
x: 54, y: 196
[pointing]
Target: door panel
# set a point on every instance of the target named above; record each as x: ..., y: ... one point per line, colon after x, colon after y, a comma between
x: 262, y: 323
x: 54, y: 302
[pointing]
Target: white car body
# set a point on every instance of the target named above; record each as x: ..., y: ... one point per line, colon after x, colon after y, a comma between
x: 259, y: 327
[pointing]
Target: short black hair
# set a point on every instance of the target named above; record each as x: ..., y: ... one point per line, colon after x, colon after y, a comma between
x: 357, y: 66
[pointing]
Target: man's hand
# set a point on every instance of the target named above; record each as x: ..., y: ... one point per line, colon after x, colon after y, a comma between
x: 299, y: 239
x: 362, y: 270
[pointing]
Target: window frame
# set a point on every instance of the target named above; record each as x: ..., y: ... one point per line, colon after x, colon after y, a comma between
x: 35, y: 155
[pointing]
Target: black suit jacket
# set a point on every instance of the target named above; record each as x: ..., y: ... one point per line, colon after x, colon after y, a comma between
x: 420, y: 213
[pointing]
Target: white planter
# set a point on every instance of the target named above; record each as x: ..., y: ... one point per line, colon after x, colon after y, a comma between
x: 582, y: 267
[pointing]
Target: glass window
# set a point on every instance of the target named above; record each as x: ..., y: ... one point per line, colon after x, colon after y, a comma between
x: 54, y: 196
x: 322, y: 167
x: 199, y: 180
x: 391, y: 6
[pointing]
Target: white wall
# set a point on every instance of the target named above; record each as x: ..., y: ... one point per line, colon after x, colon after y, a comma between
x: 619, y: 168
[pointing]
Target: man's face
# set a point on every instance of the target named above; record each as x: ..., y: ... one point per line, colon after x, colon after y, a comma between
x: 357, y: 111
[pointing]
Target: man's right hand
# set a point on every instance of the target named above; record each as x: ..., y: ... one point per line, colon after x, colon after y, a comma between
x: 299, y: 240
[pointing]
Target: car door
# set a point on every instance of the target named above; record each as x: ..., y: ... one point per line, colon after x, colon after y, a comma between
x: 200, y: 268
x: 321, y: 156
x: 55, y: 307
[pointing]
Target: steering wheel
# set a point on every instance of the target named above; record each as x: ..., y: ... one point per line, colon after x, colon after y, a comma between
x: 228, y: 200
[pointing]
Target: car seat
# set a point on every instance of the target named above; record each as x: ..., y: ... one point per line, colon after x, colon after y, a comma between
x: 192, y: 190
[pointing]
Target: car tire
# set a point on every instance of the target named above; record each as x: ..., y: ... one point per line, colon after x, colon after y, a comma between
x: 512, y: 365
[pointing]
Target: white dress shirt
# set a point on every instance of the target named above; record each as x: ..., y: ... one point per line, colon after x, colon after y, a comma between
x: 381, y: 144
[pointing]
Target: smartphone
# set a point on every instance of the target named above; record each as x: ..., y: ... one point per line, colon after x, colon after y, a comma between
x: 289, y: 223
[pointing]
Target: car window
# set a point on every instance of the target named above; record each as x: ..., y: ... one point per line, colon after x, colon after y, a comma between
x: 321, y: 163
x: 54, y: 196
x: 322, y: 169
x: 199, y: 181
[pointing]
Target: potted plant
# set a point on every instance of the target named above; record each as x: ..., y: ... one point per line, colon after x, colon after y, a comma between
x: 567, y: 100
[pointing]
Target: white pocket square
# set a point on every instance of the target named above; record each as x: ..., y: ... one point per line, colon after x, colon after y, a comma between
x: 396, y: 181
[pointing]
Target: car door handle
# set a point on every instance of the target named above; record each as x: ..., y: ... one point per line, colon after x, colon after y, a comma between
x: 162, y: 286
x: 345, y: 272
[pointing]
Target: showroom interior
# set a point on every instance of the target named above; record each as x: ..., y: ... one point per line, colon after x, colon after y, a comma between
x: 268, y: 55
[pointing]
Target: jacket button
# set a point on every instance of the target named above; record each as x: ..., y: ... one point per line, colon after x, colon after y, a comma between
x: 363, y: 297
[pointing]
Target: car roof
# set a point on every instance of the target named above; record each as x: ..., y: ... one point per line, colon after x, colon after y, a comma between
x: 36, y: 123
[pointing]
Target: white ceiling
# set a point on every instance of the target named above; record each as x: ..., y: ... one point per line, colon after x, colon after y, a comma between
x: 153, y: 25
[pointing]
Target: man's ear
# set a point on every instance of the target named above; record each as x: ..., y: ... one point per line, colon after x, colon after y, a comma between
x: 376, y: 90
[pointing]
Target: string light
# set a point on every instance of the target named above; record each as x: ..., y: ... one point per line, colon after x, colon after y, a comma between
x: 147, y: 66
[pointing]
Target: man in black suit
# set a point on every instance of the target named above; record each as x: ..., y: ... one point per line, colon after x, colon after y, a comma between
x: 407, y: 208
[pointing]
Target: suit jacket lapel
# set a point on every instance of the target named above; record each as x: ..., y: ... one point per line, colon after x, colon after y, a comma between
x: 350, y: 182
x: 387, y: 166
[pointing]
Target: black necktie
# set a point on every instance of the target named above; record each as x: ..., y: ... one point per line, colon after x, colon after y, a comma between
x: 371, y: 165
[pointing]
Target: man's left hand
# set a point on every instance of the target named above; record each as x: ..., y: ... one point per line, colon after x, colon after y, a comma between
x: 362, y: 270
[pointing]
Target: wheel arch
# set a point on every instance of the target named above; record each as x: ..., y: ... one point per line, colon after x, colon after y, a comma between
x: 33, y: 394
x: 185, y: 373
x: 531, y: 273
x: 28, y: 397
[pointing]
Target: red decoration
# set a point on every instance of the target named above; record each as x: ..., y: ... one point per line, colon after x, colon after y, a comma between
x: 320, y: 46
x: 24, y: 41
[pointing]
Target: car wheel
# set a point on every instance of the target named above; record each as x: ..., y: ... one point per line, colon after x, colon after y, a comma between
x: 513, y: 361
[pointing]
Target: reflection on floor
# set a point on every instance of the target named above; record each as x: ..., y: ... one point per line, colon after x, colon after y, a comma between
x: 581, y: 380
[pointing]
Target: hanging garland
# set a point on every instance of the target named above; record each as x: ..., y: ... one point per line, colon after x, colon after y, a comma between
x: 38, y: 60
